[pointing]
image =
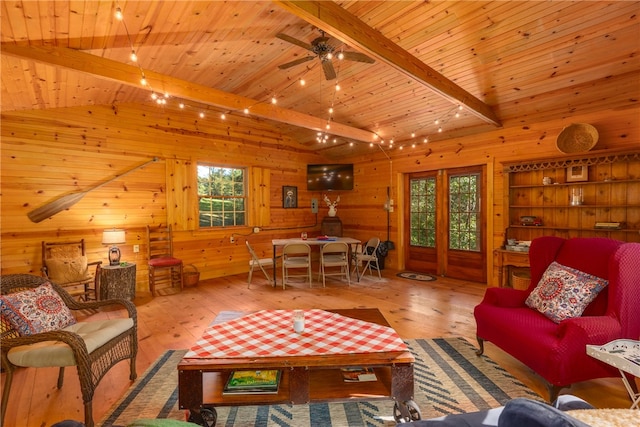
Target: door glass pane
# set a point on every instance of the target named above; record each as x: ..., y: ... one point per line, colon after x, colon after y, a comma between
x: 422, y: 215
x: 464, y: 212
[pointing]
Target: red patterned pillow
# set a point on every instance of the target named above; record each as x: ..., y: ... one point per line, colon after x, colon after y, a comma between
x: 36, y: 310
x: 564, y: 292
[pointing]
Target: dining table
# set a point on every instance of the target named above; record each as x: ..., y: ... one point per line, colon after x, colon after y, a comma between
x: 311, y: 241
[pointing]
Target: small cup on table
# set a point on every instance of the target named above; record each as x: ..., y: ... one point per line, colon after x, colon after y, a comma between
x: 298, y: 321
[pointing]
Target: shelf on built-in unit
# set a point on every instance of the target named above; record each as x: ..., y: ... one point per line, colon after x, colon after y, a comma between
x: 584, y: 205
x: 573, y: 184
x: 555, y: 227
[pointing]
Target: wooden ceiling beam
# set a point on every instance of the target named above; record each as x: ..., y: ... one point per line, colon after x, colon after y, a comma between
x: 330, y: 17
x: 130, y: 75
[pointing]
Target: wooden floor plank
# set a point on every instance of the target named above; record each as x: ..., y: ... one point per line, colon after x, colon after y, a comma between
x: 442, y: 308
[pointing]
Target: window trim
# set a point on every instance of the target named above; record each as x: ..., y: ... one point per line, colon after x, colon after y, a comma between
x: 245, y: 196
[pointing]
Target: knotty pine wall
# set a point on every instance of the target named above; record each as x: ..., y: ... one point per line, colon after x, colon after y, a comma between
x: 49, y: 153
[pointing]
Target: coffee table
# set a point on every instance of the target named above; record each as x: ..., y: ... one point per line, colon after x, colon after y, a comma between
x: 305, y: 379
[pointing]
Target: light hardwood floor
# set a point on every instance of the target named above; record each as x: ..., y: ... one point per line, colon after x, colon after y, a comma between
x: 442, y: 308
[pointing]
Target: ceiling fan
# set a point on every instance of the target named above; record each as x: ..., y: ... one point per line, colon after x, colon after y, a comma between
x: 323, y: 51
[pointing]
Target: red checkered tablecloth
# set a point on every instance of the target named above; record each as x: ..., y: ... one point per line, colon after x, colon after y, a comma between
x: 269, y: 333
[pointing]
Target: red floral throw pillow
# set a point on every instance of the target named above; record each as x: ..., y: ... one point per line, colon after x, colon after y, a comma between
x: 36, y: 310
x: 564, y: 292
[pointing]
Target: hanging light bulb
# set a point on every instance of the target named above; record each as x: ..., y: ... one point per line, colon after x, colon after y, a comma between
x: 223, y: 116
x: 119, y: 14
x: 371, y: 144
x: 337, y: 87
x: 246, y: 111
x: 328, y: 126
x: 425, y: 140
x: 274, y: 100
x: 166, y: 95
x: 133, y: 56
x: 302, y: 82
x: 330, y: 110
x: 341, y: 56
x: 439, y: 129
x: 413, y: 134
x: 153, y: 95
x: 329, y: 55
x: 201, y: 115
x: 143, y: 80
x: 437, y: 121
x: 181, y: 105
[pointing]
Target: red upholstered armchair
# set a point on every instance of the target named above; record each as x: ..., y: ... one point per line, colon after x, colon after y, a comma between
x: 557, y: 351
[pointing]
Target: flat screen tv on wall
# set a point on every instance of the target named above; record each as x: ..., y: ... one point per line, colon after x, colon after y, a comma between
x: 328, y: 177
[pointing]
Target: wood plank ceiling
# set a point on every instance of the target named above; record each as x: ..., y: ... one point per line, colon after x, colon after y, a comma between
x: 498, y: 60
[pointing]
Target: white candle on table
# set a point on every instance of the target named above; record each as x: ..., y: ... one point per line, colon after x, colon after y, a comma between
x: 298, y: 321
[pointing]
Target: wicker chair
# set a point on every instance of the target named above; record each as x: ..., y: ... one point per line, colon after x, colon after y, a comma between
x: 91, y: 365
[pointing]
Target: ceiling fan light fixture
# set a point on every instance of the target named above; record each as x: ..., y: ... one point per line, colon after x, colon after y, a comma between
x: 324, y: 52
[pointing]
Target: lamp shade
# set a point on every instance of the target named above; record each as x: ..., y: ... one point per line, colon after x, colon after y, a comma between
x: 113, y: 237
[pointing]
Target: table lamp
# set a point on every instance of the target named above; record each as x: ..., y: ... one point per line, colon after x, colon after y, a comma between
x: 113, y: 237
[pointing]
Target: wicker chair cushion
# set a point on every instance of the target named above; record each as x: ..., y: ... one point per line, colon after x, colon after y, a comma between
x: 54, y: 353
x: 67, y: 270
x: 36, y: 310
x: 564, y: 292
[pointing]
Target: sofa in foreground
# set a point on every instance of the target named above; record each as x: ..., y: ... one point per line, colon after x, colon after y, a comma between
x: 566, y: 411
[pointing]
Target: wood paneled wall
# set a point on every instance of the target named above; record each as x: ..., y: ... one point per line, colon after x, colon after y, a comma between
x: 49, y: 153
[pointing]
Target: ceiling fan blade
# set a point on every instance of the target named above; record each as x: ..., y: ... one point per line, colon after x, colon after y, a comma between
x: 296, y: 62
x: 294, y: 41
x: 357, y: 56
x: 329, y: 71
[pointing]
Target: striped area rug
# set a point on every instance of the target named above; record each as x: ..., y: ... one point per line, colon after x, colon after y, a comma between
x: 449, y: 379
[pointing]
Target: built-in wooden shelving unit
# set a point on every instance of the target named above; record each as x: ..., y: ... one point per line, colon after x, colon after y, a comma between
x: 584, y: 194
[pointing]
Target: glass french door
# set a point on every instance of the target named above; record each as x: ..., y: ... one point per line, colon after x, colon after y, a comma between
x: 446, y: 222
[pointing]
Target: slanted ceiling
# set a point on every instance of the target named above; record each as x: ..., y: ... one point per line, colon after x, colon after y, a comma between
x: 507, y: 62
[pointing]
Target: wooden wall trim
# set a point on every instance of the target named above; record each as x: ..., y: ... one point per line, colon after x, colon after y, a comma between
x: 583, y: 160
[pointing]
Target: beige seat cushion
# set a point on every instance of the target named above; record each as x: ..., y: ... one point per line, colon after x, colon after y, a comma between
x: 66, y: 270
x: 55, y: 353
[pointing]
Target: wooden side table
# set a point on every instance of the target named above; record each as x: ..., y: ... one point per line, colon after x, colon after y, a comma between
x: 331, y: 226
x: 118, y: 281
x: 505, y: 259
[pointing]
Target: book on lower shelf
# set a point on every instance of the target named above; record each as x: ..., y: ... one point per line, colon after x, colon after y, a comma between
x: 265, y: 381
x: 358, y: 374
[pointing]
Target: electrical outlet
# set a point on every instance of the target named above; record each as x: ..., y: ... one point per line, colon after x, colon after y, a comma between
x: 314, y: 205
x: 232, y: 239
x: 136, y: 249
x: 256, y: 229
